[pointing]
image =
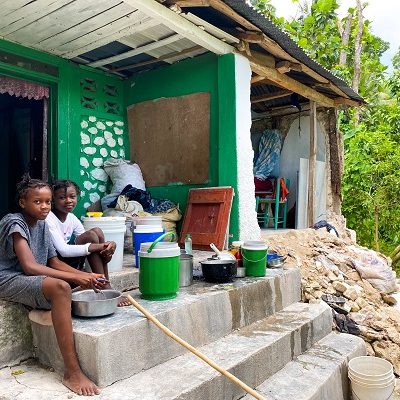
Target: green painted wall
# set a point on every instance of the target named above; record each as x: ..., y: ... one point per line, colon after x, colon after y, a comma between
x: 78, y: 95
x: 207, y: 73
x: 87, y: 116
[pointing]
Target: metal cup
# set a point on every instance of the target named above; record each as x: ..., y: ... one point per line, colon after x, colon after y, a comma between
x: 185, y: 270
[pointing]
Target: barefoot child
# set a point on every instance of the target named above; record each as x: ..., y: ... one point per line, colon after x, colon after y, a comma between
x: 71, y: 241
x: 31, y: 274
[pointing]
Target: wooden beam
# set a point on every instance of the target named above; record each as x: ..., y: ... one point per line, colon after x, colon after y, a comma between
x: 162, y: 58
x: 347, y: 102
x: 270, y: 96
x: 130, y: 30
x: 264, y: 59
x: 251, y: 37
x: 257, y: 78
x: 286, y: 66
x: 311, y: 164
x: 188, y: 3
x: 138, y: 50
x: 181, y: 26
x: 232, y: 14
x: 290, y: 83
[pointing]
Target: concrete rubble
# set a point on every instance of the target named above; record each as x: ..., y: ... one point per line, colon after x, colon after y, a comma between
x: 330, y: 266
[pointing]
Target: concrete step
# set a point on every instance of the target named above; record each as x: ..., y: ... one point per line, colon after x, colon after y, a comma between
x: 318, y: 374
x: 15, y: 328
x: 125, y: 343
x: 252, y: 353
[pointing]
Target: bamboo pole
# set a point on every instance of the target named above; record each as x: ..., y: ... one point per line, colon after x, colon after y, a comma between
x: 196, y: 352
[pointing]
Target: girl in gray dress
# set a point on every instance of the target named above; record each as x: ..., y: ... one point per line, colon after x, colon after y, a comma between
x: 31, y: 274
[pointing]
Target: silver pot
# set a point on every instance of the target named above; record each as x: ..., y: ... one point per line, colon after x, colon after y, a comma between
x: 88, y: 303
x: 185, y: 270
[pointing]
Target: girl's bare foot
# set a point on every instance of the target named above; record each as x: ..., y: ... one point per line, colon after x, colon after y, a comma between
x: 123, y: 301
x: 80, y: 384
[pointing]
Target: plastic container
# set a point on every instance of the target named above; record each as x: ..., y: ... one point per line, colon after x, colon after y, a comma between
x: 371, y: 378
x: 114, y: 229
x: 254, y: 257
x: 188, y: 244
x: 145, y: 234
x: 148, y: 220
x: 159, y: 269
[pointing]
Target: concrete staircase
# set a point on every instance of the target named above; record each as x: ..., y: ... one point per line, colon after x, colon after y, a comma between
x: 255, y: 328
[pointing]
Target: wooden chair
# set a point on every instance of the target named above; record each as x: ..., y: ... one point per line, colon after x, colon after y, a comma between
x: 269, y: 200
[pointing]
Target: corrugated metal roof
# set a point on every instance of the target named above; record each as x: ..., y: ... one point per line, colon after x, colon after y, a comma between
x: 287, y: 43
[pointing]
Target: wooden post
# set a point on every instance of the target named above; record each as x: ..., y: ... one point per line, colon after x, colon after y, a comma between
x: 311, y: 164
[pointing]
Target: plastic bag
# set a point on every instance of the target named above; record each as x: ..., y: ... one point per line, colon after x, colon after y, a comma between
x: 123, y: 173
x: 374, y: 269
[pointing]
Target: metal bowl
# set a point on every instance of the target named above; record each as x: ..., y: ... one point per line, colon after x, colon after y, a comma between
x: 276, y: 262
x: 88, y: 303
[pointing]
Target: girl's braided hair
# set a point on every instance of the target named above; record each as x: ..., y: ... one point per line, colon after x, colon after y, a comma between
x: 26, y: 184
x: 65, y: 184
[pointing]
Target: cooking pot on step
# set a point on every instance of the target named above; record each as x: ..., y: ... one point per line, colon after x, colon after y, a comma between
x: 219, y: 271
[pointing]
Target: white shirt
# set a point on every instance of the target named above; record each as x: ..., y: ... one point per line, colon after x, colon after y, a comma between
x: 61, y: 233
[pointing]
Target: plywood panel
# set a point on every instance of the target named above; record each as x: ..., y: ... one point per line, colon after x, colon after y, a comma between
x: 169, y: 139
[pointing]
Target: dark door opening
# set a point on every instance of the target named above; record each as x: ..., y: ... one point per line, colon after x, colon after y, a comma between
x: 23, y: 146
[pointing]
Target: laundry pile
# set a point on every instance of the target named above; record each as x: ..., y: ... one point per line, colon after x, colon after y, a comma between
x: 356, y: 282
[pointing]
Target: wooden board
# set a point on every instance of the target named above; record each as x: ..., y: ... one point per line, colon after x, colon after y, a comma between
x: 169, y: 139
x: 207, y: 217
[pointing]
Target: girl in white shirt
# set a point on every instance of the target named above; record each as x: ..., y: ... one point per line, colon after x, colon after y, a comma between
x: 72, y: 242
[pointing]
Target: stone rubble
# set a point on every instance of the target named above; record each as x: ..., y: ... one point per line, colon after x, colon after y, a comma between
x: 327, y: 266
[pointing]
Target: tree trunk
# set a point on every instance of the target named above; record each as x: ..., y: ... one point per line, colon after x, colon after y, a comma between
x: 358, y: 48
x: 376, y: 232
x: 345, y: 34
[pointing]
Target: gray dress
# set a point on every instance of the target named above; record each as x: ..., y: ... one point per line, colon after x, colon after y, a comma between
x: 14, y: 284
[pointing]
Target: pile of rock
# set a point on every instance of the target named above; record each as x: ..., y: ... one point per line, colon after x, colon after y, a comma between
x: 333, y: 266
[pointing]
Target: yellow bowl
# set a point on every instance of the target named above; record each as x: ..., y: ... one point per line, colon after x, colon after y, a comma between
x: 94, y: 214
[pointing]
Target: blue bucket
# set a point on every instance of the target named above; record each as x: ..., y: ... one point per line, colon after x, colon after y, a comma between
x: 143, y: 234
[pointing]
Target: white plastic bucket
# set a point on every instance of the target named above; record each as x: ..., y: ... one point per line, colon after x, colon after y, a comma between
x: 114, y: 229
x: 148, y: 220
x: 371, y: 378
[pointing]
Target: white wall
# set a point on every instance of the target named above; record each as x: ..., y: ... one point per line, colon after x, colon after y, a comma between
x: 248, y: 226
x: 297, y: 146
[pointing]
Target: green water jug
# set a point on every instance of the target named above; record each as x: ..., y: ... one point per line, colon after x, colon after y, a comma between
x: 159, y: 269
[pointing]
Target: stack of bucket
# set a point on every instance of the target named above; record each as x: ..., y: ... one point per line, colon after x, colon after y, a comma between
x: 145, y: 229
x: 371, y: 378
x: 114, y: 230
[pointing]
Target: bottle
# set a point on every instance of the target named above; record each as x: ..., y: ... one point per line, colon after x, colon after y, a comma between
x: 188, y: 244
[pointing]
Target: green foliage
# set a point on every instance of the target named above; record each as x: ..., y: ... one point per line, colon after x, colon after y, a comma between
x: 371, y: 189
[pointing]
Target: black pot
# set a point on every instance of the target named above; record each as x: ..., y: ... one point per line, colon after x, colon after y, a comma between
x: 219, y: 271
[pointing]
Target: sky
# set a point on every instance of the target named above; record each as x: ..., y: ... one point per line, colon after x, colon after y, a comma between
x: 384, y: 14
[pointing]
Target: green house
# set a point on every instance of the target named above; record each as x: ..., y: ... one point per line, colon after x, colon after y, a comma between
x: 174, y: 86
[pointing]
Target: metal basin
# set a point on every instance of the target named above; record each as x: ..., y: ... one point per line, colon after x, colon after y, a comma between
x: 87, y: 303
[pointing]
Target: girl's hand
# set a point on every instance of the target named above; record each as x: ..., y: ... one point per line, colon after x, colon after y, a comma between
x: 88, y: 280
x: 108, y: 251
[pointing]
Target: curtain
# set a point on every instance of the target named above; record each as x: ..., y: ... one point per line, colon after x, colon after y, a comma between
x: 21, y: 88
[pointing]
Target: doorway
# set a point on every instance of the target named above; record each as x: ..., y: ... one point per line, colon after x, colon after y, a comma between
x: 24, y: 146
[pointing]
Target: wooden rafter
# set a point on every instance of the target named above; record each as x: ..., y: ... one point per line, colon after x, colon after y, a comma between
x: 270, y: 96
x: 138, y: 50
x: 162, y: 58
x: 286, y: 66
x: 180, y: 25
x: 290, y: 83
